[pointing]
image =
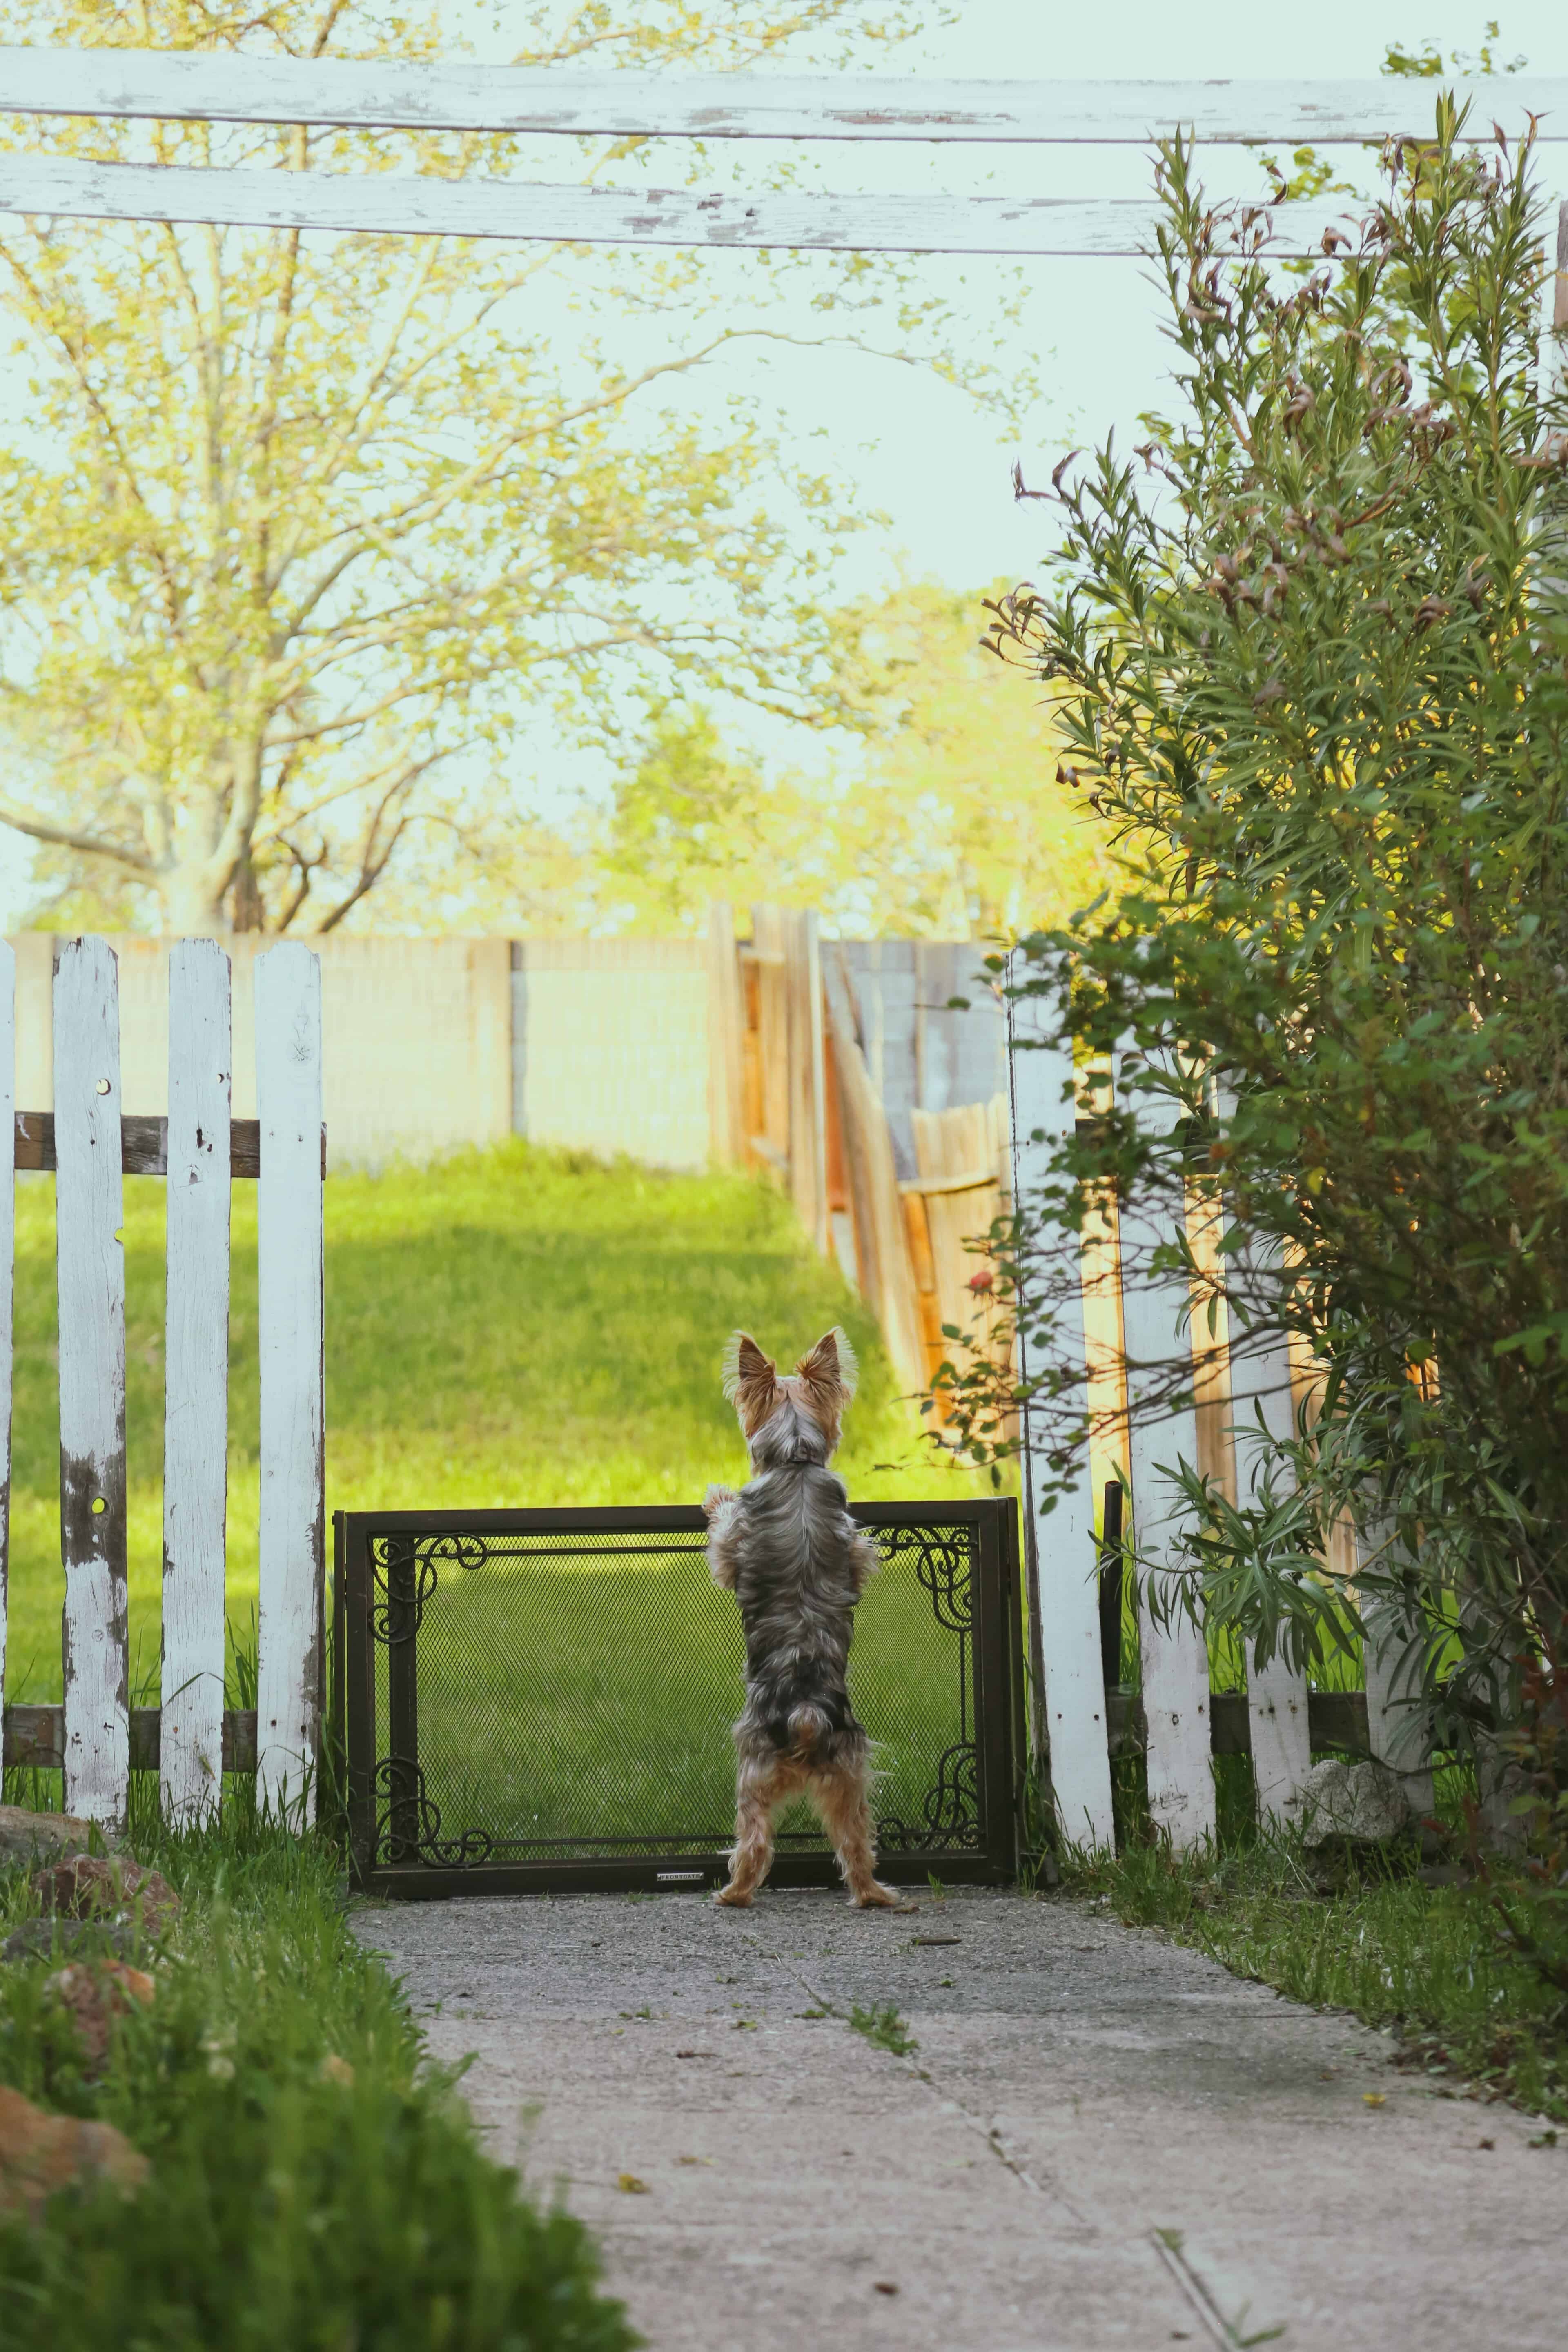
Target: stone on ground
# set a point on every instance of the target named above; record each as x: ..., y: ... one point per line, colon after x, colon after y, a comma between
x: 105, y: 1886
x: 41, y: 2153
x: 96, y: 1995
x: 1352, y: 1804
x: 27, y: 1837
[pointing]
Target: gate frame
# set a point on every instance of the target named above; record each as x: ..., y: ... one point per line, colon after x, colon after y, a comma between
x: 996, y: 1668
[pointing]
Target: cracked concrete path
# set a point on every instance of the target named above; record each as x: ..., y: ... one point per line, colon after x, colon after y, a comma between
x: 1101, y: 2139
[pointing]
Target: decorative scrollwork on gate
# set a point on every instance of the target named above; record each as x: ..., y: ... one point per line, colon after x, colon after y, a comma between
x: 951, y: 1814
x: 408, y: 1822
x: 944, y: 1565
x: 406, y: 1570
x: 446, y: 1705
x: 943, y: 1560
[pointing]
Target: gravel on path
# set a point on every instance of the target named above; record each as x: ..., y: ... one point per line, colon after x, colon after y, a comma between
x: 1100, y: 2138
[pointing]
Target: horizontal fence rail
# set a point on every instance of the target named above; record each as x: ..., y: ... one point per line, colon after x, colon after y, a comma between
x: 35, y: 1735
x: 444, y: 95
x: 36, y: 1738
x: 143, y: 1144
x: 401, y: 205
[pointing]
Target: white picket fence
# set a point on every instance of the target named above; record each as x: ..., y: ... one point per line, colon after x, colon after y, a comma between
x: 1075, y: 1711
x: 197, y: 1147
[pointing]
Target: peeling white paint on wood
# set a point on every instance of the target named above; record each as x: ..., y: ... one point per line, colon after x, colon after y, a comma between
x: 195, y: 1399
x: 447, y: 95
x: 1176, y: 1667
x: 7, y: 1269
x: 91, y: 1257
x: 292, y: 1546
x: 1065, y: 1637
x: 1391, y: 1664
x: 1262, y: 1415
x: 400, y: 205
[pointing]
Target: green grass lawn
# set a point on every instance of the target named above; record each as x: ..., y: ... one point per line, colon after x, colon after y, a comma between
x: 509, y: 1328
x: 506, y: 1329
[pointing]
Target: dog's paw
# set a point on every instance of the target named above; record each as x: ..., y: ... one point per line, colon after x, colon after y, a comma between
x: 734, y: 1899
x: 717, y: 1496
x: 878, y: 1897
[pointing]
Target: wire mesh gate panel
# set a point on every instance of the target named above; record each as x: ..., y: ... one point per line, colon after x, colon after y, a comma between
x: 529, y: 1700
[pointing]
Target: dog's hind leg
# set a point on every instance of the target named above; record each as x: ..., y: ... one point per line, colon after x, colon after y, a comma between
x: 760, y: 1790
x: 840, y: 1797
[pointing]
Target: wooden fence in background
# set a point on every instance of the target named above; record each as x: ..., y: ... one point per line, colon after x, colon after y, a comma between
x: 95, y: 1737
x: 794, y: 1091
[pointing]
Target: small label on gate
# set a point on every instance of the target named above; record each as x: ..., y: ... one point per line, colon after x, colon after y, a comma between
x: 680, y: 1877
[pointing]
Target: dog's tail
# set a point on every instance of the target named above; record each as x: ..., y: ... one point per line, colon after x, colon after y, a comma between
x: 809, y: 1725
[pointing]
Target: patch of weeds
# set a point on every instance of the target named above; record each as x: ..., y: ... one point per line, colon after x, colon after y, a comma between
x: 311, y: 2183
x: 938, y: 1890
x: 1367, y: 1936
x: 884, y: 2028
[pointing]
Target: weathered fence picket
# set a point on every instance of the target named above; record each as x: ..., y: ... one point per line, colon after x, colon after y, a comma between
x: 1063, y: 1630
x: 1262, y: 1416
x: 1394, y: 1727
x: 195, y: 1359
x: 293, y: 1508
x: 1177, y: 1721
x: 1155, y: 1312
x: 90, y: 1259
x: 7, y: 1273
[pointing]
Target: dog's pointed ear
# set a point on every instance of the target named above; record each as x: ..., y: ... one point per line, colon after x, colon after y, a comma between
x: 831, y: 1364
x: 749, y: 1376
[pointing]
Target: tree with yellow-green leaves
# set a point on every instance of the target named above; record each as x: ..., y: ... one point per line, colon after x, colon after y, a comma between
x: 948, y: 814
x: 298, y: 527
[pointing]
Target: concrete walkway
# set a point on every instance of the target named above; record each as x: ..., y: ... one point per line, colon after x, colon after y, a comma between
x: 1102, y: 2140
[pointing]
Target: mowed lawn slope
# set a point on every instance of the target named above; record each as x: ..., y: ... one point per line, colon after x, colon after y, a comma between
x: 508, y: 1328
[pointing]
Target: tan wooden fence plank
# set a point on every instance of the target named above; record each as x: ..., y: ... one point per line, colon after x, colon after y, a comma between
x: 882, y: 1249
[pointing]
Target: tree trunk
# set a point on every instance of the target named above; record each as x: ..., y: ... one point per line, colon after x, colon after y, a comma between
x: 193, y: 909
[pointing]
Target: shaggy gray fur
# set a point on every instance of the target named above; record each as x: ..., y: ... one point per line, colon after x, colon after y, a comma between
x: 797, y: 1564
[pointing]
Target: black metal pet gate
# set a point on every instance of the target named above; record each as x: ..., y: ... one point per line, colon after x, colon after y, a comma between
x: 535, y: 1700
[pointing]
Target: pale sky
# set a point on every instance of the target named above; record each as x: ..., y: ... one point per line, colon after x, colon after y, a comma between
x: 920, y: 450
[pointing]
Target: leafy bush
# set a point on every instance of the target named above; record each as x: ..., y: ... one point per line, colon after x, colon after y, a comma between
x: 309, y: 2185
x: 1309, y: 649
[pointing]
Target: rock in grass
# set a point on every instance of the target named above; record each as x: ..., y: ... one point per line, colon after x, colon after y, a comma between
x: 41, y: 1939
x: 40, y: 2154
x: 94, y: 1995
x: 37, y: 1837
x: 1352, y: 1804
x: 103, y: 1887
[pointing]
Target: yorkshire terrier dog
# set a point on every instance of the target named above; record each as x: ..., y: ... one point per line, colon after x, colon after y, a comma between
x: 796, y: 1563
